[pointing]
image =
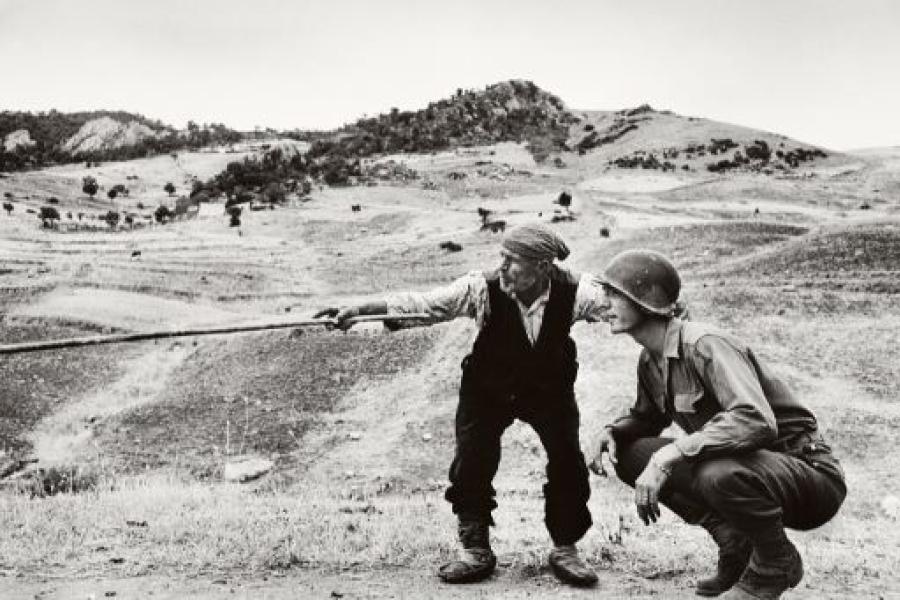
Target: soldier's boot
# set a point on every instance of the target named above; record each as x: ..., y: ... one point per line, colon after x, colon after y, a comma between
x: 475, y: 560
x: 734, y: 554
x: 569, y: 567
x: 775, y: 566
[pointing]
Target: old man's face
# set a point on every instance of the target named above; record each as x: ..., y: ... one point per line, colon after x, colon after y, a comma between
x: 519, y: 274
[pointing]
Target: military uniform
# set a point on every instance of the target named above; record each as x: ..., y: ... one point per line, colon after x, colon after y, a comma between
x: 754, y: 455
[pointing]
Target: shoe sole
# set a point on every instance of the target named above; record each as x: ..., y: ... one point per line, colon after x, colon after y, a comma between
x: 567, y: 577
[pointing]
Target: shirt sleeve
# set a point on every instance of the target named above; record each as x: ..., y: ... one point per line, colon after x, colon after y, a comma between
x: 644, y: 419
x: 463, y: 297
x: 746, y: 421
x: 589, y: 300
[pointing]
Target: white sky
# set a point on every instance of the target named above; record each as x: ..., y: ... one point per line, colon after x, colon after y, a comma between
x: 823, y: 71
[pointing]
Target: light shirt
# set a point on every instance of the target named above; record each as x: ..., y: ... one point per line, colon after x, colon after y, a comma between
x: 467, y: 296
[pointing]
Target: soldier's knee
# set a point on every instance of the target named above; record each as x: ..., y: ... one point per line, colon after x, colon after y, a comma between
x: 717, y: 478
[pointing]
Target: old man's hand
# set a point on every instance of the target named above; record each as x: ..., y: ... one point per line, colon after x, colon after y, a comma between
x: 340, y: 315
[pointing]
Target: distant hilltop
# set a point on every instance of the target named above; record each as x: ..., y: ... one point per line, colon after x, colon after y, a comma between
x: 521, y: 112
x: 509, y: 111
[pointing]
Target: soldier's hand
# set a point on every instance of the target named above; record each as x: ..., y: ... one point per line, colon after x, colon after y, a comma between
x: 646, y: 492
x: 606, y: 444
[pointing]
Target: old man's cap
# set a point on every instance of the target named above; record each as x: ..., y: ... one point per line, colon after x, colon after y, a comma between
x: 535, y: 241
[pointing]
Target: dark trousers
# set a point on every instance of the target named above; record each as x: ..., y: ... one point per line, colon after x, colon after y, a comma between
x: 751, y: 491
x: 481, y: 420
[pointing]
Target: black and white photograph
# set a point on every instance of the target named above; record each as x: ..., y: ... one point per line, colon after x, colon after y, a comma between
x: 479, y: 299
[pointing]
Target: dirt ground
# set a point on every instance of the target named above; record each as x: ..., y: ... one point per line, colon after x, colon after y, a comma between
x: 760, y: 255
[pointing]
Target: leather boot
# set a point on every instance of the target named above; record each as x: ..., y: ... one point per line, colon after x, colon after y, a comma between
x: 475, y: 561
x: 569, y: 567
x: 734, y: 554
x: 775, y: 566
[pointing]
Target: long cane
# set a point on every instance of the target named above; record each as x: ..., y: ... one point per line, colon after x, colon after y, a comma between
x: 156, y: 335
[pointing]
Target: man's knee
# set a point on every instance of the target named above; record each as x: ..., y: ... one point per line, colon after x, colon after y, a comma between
x: 721, y: 479
x: 632, y: 458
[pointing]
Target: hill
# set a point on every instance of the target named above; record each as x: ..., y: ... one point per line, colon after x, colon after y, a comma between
x: 37, y: 140
x: 520, y: 112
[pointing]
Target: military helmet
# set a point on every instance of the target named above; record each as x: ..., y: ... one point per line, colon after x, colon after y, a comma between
x: 647, y: 278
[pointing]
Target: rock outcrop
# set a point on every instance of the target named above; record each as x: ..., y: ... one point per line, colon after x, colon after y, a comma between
x: 106, y: 133
x: 16, y: 139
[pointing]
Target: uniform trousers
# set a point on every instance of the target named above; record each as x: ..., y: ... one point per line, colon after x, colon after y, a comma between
x: 751, y: 491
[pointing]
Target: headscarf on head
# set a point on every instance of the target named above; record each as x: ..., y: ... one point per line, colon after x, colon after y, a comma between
x: 535, y: 241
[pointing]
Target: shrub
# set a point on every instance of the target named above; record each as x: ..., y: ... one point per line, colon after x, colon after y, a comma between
x: 89, y: 186
x: 234, y: 214
x: 48, y: 216
x: 111, y: 218
x: 163, y: 214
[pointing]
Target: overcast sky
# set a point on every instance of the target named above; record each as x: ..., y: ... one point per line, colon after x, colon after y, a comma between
x: 823, y: 71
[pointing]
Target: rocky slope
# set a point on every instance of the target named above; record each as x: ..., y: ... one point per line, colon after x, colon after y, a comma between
x: 107, y: 133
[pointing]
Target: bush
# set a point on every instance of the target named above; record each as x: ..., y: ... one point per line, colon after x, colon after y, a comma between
x: 234, y: 214
x: 48, y: 216
x: 163, y: 214
x: 111, y: 218
x: 89, y: 186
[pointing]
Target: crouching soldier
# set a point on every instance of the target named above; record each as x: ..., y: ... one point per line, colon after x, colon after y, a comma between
x: 752, y: 461
x: 522, y: 366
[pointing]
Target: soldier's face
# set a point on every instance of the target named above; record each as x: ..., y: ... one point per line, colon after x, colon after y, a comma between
x: 518, y: 274
x: 622, y: 314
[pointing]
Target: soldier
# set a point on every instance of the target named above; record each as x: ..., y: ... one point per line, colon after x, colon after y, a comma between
x: 522, y: 366
x: 752, y: 461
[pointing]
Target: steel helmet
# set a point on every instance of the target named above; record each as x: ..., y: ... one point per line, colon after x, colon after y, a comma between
x: 647, y: 278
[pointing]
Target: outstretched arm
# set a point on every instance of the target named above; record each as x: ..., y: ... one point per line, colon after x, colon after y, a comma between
x: 465, y: 296
x: 343, y: 314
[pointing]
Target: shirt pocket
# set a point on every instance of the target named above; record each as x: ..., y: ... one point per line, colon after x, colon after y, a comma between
x: 686, y: 402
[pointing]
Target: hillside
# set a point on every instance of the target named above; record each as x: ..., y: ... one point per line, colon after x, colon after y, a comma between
x: 37, y: 140
x: 516, y: 111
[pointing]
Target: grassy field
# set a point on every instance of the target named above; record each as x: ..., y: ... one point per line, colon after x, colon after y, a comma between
x: 359, y: 425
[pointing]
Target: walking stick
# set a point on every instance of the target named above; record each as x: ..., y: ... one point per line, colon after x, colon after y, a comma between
x: 156, y: 335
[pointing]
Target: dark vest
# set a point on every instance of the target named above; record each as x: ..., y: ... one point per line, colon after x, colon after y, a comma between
x: 503, y: 362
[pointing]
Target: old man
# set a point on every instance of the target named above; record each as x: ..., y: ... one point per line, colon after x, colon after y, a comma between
x: 522, y: 366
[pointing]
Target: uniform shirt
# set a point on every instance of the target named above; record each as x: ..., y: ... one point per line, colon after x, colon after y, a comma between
x: 714, y: 387
x: 468, y: 297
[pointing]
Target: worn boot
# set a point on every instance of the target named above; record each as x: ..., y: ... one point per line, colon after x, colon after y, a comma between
x: 775, y: 566
x: 568, y: 566
x: 734, y: 554
x: 476, y: 560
